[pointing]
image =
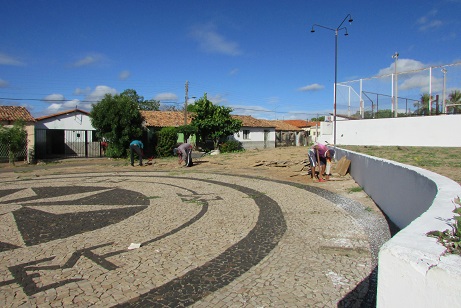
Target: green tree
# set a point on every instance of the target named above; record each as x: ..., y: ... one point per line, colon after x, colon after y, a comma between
x: 117, y: 118
x: 143, y: 104
x: 422, y: 105
x: 15, y: 139
x: 213, y: 122
x: 454, y: 98
x: 187, y: 130
x: 319, y: 119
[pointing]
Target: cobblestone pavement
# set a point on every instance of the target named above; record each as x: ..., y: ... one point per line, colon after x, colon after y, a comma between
x: 207, y: 240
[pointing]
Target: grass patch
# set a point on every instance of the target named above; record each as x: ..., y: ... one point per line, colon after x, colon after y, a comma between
x: 354, y: 189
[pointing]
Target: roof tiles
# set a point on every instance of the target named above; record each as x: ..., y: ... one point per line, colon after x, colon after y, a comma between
x: 14, y: 113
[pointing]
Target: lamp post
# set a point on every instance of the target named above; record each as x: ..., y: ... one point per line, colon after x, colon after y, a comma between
x: 335, y: 30
x: 444, y: 105
x: 395, y: 56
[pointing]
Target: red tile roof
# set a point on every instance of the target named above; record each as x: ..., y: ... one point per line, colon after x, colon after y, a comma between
x: 311, y: 124
x: 164, y: 118
x: 62, y: 113
x: 249, y: 121
x: 13, y: 113
x: 297, y: 123
x: 282, y: 125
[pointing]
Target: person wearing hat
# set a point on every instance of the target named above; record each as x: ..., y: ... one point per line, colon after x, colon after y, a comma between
x: 318, y: 155
x: 184, y: 152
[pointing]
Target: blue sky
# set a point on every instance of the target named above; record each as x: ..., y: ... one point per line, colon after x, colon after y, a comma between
x: 258, y: 57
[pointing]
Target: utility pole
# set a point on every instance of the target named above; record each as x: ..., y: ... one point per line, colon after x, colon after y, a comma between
x: 185, y: 102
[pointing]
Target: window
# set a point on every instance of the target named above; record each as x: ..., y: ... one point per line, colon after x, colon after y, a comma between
x: 246, y: 134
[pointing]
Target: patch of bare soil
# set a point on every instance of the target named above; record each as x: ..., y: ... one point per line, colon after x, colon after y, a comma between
x: 285, y: 164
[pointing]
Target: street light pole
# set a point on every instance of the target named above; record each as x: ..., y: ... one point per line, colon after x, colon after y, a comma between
x: 395, y: 56
x: 335, y: 30
x: 444, y: 105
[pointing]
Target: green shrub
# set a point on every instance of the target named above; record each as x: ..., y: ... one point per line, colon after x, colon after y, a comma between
x: 230, y: 146
x: 167, y: 138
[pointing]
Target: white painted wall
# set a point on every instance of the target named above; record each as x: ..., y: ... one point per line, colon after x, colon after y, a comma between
x: 412, y: 270
x: 435, y: 131
x: 256, y: 137
x: 73, y: 120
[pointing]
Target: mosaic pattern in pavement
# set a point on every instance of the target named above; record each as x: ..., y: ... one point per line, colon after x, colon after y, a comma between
x: 206, y: 240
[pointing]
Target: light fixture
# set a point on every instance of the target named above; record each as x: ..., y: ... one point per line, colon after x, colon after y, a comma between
x: 336, y: 30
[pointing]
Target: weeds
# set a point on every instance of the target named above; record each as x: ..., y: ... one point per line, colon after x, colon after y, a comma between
x: 451, y: 239
x: 355, y: 189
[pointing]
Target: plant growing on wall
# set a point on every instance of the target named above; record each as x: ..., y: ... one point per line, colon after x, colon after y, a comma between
x: 451, y: 239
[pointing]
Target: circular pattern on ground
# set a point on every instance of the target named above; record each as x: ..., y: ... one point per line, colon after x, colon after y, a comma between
x: 206, y: 239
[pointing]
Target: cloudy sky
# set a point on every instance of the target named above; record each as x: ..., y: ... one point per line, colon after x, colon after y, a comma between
x: 258, y: 57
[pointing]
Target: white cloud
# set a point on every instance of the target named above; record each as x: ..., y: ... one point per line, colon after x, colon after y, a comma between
x: 255, y: 111
x: 311, y: 87
x: 99, y: 92
x: 8, y: 60
x: 403, y: 65
x: 88, y: 60
x: 124, y: 75
x: 53, y: 98
x: 80, y: 91
x: 3, y: 83
x: 429, y: 21
x: 53, y: 108
x: 234, y: 71
x: 72, y: 104
x: 211, y: 41
x: 169, y: 97
x: 421, y: 81
x: 217, y: 99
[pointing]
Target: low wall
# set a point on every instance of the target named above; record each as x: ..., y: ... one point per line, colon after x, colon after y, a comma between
x: 412, y: 268
x: 406, y: 131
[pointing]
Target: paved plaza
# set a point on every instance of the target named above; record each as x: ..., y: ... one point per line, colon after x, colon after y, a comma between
x: 206, y: 240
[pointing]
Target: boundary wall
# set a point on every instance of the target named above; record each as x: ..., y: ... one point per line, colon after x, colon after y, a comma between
x: 412, y: 268
x: 437, y: 131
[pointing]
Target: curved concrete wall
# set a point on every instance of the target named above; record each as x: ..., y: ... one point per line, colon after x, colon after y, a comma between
x: 412, y: 268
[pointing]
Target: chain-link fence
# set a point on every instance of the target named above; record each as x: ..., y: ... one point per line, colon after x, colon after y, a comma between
x: 402, y: 94
x: 19, y: 156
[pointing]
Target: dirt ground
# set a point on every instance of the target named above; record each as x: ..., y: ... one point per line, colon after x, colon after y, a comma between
x: 287, y: 164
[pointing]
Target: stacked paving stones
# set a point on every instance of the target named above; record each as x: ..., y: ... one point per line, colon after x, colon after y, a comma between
x: 207, y: 240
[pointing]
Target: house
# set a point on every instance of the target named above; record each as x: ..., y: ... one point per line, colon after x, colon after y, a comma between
x: 287, y: 134
x: 155, y: 120
x: 66, y: 134
x: 11, y: 114
x: 255, y: 133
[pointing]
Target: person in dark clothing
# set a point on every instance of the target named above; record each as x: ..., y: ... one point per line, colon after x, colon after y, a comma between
x: 137, y: 147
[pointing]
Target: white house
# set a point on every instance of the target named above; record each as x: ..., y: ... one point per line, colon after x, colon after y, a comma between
x: 66, y: 134
x: 254, y: 133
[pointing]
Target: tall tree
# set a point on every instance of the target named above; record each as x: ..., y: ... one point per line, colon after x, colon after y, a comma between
x: 117, y: 118
x: 422, y: 106
x: 454, y: 98
x: 15, y: 139
x: 213, y: 121
x: 143, y: 104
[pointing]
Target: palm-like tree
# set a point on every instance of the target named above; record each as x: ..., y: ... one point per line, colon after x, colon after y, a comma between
x: 454, y: 98
x: 422, y: 105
